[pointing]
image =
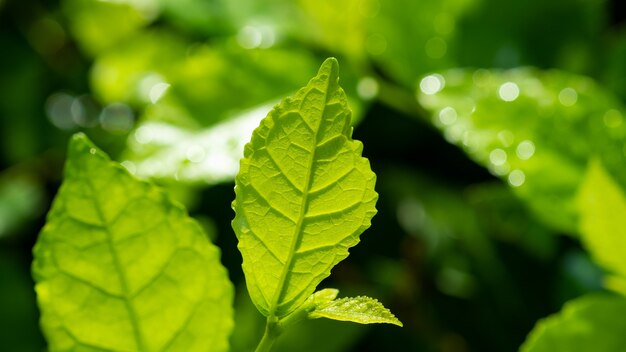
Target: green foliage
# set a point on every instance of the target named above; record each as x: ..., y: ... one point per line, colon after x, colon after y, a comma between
x: 20, y: 201
x: 168, y: 290
x: 602, y: 206
x: 172, y: 89
x: 98, y: 26
x: 591, y: 323
x: 120, y: 266
x: 432, y: 45
x: 536, y: 130
x: 304, y: 195
x: 363, y: 310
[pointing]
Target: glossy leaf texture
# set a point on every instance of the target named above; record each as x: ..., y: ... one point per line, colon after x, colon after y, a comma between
x: 163, y: 151
x: 361, y: 309
x: 304, y: 194
x: 593, y: 323
x: 602, y: 205
x: 120, y: 266
x: 534, y: 129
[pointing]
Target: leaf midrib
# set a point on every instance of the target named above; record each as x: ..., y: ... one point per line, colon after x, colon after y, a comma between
x: 126, y: 297
x: 303, y: 208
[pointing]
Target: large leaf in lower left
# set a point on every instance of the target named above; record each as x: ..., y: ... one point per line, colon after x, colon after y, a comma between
x: 119, y: 266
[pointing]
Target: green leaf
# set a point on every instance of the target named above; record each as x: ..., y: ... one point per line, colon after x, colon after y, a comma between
x: 304, y: 195
x: 592, y: 323
x: 121, y: 266
x: 360, y: 309
x: 534, y: 129
x: 602, y: 206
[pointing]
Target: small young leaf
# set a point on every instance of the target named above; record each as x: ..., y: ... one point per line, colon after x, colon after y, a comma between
x: 320, y: 298
x: 120, y: 266
x: 592, y: 323
x: 361, y: 309
x: 304, y: 195
x: 602, y: 205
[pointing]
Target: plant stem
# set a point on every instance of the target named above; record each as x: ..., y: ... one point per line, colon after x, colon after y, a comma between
x: 271, y: 333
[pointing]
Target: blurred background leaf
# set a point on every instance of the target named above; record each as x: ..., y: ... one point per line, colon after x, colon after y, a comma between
x: 590, y: 323
x: 534, y: 129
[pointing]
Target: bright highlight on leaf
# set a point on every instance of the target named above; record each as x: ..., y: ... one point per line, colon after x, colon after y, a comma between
x: 534, y: 129
x: 120, y: 266
x: 361, y: 309
x: 304, y: 194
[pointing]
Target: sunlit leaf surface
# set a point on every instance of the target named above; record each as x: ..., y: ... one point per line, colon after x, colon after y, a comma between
x: 120, y: 266
x: 593, y: 323
x: 535, y: 130
x: 304, y: 195
x: 362, y: 310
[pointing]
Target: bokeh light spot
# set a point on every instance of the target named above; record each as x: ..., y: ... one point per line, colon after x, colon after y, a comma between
x: 508, y: 91
x: 613, y: 118
x: 497, y: 156
x: 367, y: 88
x: 447, y: 116
x: 432, y: 84
x: 517, y: 178
x: 568, y: 97
x: 525, y: 150
x: 117, y: 118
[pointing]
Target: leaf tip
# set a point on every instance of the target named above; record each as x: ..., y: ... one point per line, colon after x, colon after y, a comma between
x: 330, y: 66
x: 80, y: 143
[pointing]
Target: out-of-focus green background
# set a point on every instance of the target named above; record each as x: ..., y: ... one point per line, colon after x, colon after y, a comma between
x: 478, y: 116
